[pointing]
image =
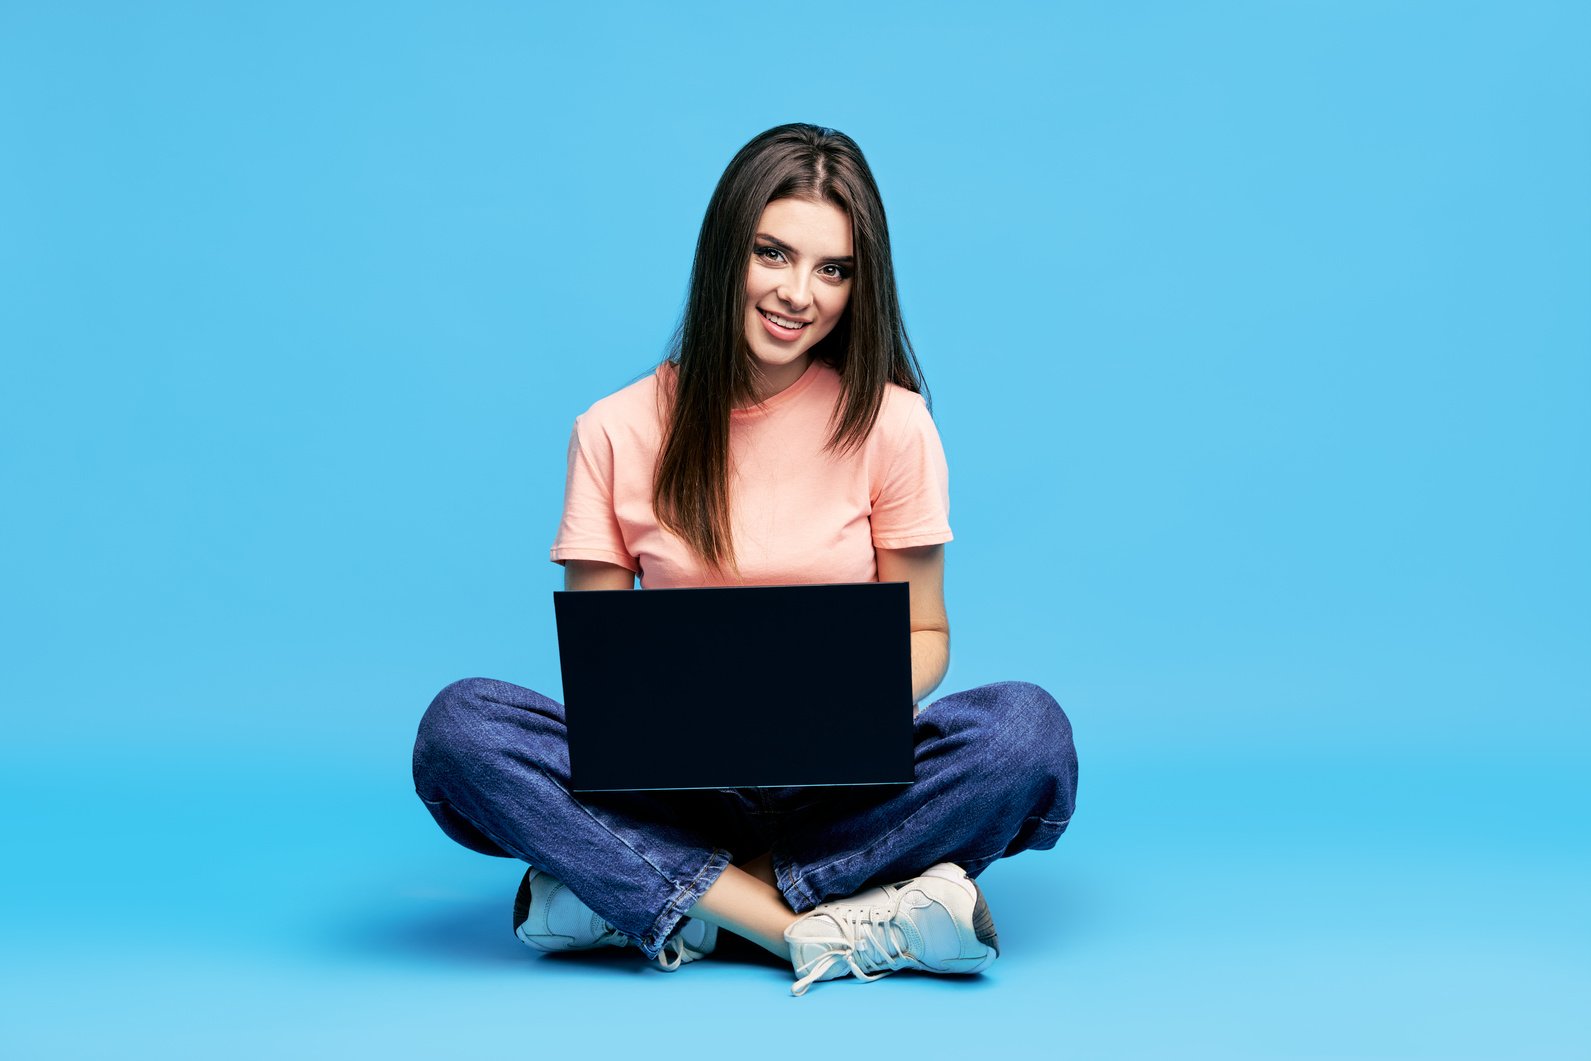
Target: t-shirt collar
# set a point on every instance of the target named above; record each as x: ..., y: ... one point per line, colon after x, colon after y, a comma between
x: 784, y: 397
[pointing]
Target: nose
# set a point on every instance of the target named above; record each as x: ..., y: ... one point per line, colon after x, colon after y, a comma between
x: 796, y: 291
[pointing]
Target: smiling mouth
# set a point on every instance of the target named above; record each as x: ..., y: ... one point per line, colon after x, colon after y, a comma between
x: 783, y: 322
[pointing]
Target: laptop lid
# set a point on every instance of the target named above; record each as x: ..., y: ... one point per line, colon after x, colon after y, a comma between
x: 742, y: 687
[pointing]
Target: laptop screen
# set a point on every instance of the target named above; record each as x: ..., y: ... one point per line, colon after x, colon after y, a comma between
x: 760, y: 686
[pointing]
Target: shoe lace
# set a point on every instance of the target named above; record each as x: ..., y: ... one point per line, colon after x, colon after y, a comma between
x: 682, y: 952
x: 673, y: 961
x: 865, y: 938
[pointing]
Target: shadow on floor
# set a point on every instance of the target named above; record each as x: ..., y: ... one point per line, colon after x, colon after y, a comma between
x: 457, y: 931
x: 478, y: 932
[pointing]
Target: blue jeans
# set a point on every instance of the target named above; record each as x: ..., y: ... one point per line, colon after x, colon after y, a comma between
x: 996, y: 774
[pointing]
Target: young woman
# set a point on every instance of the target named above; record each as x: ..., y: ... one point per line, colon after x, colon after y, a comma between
x: 785, y: 440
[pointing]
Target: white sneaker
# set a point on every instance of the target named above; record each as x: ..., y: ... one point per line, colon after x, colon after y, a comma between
x: 550, y: 917
x: 937, y: 923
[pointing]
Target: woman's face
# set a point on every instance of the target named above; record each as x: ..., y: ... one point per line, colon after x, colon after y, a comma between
x: 797, y: 284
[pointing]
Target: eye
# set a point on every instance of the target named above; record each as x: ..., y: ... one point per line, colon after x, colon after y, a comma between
x: 839, y: 272
x: 763, y: 250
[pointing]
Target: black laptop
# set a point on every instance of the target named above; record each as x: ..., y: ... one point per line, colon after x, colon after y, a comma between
x: 744, y: 687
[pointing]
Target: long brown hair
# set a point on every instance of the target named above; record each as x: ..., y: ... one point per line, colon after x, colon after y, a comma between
x: 868, y: 346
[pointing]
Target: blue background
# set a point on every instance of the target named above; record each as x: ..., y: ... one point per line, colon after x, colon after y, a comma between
x: 1259, y: 336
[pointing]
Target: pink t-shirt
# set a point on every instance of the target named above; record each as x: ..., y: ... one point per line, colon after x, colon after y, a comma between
x: 798, y: 514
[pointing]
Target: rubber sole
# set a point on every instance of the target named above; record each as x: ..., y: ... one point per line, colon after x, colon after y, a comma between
x: 983, y: 924
x: 522, y: 902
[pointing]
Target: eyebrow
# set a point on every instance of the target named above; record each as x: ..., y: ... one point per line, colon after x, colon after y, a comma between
x: 782, y: 245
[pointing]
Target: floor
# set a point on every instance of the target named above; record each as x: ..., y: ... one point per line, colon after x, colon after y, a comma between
x: 1232, y: 909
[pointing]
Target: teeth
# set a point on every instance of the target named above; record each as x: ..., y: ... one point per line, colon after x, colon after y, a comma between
x: 782, y: 322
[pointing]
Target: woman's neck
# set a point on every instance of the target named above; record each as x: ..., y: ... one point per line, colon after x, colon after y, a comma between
x: 770, y: 381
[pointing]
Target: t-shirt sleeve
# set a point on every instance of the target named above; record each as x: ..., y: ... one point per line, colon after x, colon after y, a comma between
x: 589, y: 529
x: 913, y: 503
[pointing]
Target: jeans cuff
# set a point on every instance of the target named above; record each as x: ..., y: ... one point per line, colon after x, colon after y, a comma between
x: 791, y: 882
x: 683, y: 900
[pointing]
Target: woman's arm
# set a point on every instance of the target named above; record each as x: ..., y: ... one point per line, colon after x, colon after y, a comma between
x: 595, y: 574
x: 924, y: 568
